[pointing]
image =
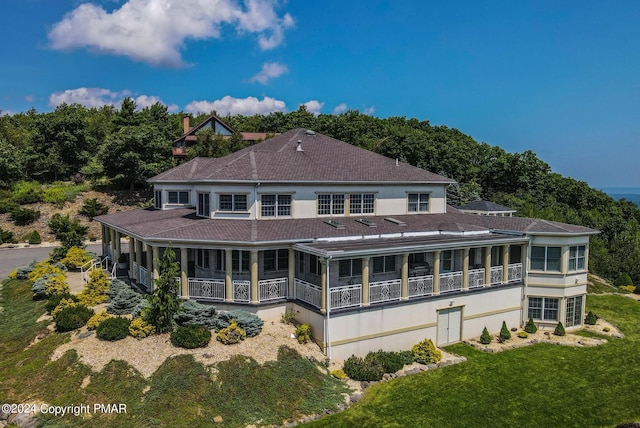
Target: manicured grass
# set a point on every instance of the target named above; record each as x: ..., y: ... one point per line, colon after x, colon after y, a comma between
x: 541, y: 385
x: 182, y: 393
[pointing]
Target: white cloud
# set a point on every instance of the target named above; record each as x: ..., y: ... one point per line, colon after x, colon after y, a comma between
x: 229, y: 105
x: 28, y: 98
x: 98, y: 97
x: 270, y: 70
x: 369, y: 110
x: 154, y: 31
x: 314, y: 106
x: 7, y: 113
x: 340, y: 108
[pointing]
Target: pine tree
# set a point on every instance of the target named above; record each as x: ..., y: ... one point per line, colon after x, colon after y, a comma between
x: 530, y: 327
x: 485, y: 338
x: 559, y: 331
x: 164, y: 300
x: 505, y: 334
x: 591, y: 318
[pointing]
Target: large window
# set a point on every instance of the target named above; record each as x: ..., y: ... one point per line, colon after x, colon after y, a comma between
x: 314, y: 265
x: 157, y: 199
x: 240, y: 261
x: 350, y: 267
x: 418, y: 202
x: 232, y: 202
x: 330, y: 204
x: 275, y: 205
x: 275, y: 260
x: 204, y: 209
x: 384, y: 264
x: 577, y: 257
x: 543, y: 308
x: 447, y: 261
x: 220, y: 260
x: 362, y: 203
x: 178, y: 197
x: 574, y: 311
x: 202, y: 258
x: 546, y: 258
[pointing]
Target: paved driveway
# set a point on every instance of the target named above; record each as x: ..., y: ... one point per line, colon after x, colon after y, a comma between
x: 11, y: 258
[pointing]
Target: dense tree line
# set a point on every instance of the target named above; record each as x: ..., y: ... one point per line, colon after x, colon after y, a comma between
x: 126, y: 146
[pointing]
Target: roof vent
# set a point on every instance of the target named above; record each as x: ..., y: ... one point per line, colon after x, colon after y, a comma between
x: 335, y: 223
x: 395, y: 221
x: 366, y: 222
x: 299, y: 146
x: 309, y: 132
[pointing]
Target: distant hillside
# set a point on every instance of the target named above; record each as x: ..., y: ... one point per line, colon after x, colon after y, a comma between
x: 629, y: 193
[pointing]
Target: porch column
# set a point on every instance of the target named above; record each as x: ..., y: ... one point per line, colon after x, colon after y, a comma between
x: 117, y: 248
x: 184, y: 265
x: 228, y: 279
x: 138, y: 245
x: 105, y: 240
x: 112, y: 244
x: 465, y: 268
x: 253, y: 260
x: 156, y: 268
x: 436, y: 272
x: 487, y: 266
x: 323, y: 286
x: 505, y: 264
x: 149, y: 268
x: 365, y: 281
x: 292, y: 273
x: 131, y: 254
x: 404, y: 277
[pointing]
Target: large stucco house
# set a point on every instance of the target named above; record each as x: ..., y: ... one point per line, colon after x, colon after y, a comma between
x: 362, y: 247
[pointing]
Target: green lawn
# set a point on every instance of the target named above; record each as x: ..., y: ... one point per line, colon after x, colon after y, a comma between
x: 536, y: 386
x: 182, y: 392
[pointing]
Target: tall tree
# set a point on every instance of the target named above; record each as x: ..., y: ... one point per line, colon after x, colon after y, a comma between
x: 164, y: 300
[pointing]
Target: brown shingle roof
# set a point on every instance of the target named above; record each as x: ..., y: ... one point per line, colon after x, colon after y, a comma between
x: 321, y: 159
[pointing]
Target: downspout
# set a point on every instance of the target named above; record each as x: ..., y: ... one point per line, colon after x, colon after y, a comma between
x: 326, y: 329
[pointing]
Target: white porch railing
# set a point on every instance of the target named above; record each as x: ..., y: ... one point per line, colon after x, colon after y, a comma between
x: 420, y: 286
x: 476, y: 278
x: 346, y: 296
x: 206, y: 288
x: 308, y: 292
x: 384, y: 291
x: 451, y: 281
x: 142, y: 276
x: 514, y: 272
x: 496, y: 275
x: 241, y: 290
x: 134, y: 270
x: 88, y: 267
x: 272, y: 289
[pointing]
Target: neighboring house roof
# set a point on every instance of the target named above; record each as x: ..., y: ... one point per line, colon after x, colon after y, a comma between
x: 191, y: 132
x: 317, y: 158
x: 485, y: 206
x: 183, y: 225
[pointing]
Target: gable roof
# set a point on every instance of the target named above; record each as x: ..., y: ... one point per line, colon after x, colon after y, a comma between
x: 191, y: 132
x: 318, y: 158
x: 485, y: 206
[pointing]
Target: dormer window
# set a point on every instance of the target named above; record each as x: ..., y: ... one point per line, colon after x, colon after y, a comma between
x: 204, y: 209
x: 362, y: 203
x: 178, y: 197
x: 232, y: 202
x: 275, y: 205
x: 331, y: 204
x: 418, y: 202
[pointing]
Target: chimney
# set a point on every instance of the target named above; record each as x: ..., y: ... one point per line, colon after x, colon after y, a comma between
x: 185, y: 124
x: 299, y: 146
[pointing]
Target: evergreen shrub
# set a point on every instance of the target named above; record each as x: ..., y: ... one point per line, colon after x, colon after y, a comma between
x: 55, y: 300
x: 391, y: 362
x: 27, y: 192
x: 93, y: 208
x: 303, y: 333
x: 559, y: 331
x: 197, y: 313
x: 125, y: 302
x: 425, y: 352
x: 591, y: 318
x: 112, y: 329
x: 231, y: 334
x: 623, y: 279
x: 95, y: 320
x: 140, y: 329
x: 24, y: 216
x: 530, y: 326
x: 485, y: 337
x: 339, y: 374
x: 505, y: 334
x: 95, y: 291
x: 76, y: 258
x: 249, y: 322
x: 34, y: 238
x: 523, y: 335
x: 192, y: 336
x: 139, y: 309
x: 359, y: 369
x: 72, y: 317
x: 5, y: 236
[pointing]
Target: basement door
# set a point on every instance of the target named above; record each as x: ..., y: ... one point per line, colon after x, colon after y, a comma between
x: 449, y: 325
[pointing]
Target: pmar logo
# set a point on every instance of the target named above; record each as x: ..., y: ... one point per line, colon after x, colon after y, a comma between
x: 110, y: 408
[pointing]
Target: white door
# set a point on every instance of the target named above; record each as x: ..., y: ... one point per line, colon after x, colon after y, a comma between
x: 449, y: 325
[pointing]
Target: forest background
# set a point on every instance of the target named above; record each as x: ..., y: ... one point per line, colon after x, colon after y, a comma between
x: 120, y: 148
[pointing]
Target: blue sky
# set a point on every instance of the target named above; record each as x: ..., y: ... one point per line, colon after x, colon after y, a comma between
x: 559, y: 78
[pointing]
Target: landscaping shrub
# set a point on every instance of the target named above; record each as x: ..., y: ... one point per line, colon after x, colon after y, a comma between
x: 27, y: 192
x: 93, y: 208
x: 559, y: 331
x: 23, y: 271
x: 39, y: 289
x: 72, y: 317
x: 591, y: 318
x: 7, y: 206
x: 339, y: 374
x: 197, y: 313
x: 637, y: 289
x: 43, y: 268
x: 530, y: 326
x: 606, y: 329
x: 628, y: 288
x: 95, y: 291
x: 523, y: 335
x: 287, y: 316
x: 76, y: 258
x: 426, y: 352
x: 56, y: 284
x: 63, y: 304
x: 5, y: 236
x: 140, y: 329
x: 250, y: 323
x: 55, y: 300
x: 112, y: 329
x: 95, y: 320
x: 231, y: 334
x: 125, y: 301
x: 359, y: 369
x: 391, y: 362
x: 193, y: 336
x: 61, y: 225
x: 139, y: 309
x: 504, y: 332
x: 303, y: 333
x: 34, y: 238
x: 24, y: 216
x: 485, y: 337
x: 116, y: 286
x: 623, y: 279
